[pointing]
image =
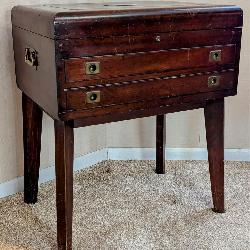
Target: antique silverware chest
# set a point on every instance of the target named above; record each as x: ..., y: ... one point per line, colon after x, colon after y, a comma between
x: 93, y: 63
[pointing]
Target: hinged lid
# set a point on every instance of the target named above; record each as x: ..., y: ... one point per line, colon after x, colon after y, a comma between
x: 63, y: 21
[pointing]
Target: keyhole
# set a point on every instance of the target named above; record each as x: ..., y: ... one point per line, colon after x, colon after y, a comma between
x: 214, y: 81
x: 216, y: 56
x: 93, y: 97
x: 92, y: 68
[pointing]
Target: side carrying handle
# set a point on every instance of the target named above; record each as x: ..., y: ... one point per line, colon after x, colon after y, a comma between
x: 31, y: 57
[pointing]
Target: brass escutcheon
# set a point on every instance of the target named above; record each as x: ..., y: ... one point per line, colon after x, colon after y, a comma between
x: 92, y: 68
x: 215, y: 56
x: 93, y: 96
x: 213, y: 81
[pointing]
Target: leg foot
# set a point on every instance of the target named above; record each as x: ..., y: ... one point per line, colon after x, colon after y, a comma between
x: 160, y: 144
x: 32, y: 129
x: 214, y: 120
x: 64, y: 138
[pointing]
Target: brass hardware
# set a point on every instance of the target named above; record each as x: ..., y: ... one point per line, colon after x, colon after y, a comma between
x: 93, y: 96
x: 31, y: 57
x: 215, y: 56
x: 157, y: 38
x: 213, y: 81
x: 92, y: 68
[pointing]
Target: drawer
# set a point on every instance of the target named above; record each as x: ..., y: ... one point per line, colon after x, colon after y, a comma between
x: 150, y: 89
x: 110, y: 45
x: 94, y: 68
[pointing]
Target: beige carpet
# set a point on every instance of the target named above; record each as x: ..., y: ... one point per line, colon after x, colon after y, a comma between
x: 125, y: 205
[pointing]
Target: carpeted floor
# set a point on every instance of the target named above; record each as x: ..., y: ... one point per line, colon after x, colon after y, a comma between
x: 125, y: 205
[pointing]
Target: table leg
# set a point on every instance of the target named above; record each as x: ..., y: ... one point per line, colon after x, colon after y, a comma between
x: 160, y: 144
x: 214, y: 120
x: 32, y: 129
x: 64, y: 143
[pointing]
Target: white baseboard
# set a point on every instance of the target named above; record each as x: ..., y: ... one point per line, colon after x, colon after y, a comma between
x: 174, y: 154
x: 83, y: 162
x: 46, y: 174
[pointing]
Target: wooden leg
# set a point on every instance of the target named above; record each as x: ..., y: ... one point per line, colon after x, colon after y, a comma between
x: 160, y: 144
x: 32, y: 129
x: 214, y: 120
x: 64, y: 138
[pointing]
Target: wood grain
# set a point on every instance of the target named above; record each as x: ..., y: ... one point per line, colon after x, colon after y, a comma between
x: 111, y: 45
x: 147, y: 62
x: 154, y: 60
x: 148, y: 90
x: 214, y: 120
x: 146, y: 22
x: 82, y: 118
x: 64, y: 141
x: 32, y: 129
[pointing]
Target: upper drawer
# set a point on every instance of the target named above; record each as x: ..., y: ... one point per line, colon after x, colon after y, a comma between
x: 111, y: 66
x: 92, y: 46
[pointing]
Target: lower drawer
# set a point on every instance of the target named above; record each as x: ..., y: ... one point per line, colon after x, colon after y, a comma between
x: 148, y: 89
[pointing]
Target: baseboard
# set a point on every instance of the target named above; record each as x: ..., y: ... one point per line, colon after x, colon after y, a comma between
x: 83, y: 162
x: 46, y: 174
x: 174, y: 154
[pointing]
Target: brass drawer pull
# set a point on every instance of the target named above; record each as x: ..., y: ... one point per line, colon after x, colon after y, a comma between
x: 215, y: 56
x: 213, y: 81
x: 92, y: 68
x: 93, y: 96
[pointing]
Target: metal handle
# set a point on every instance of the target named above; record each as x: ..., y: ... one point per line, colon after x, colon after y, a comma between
x: 215, y: 56
x: 213, y: 81
x: 93, y: 96
x: 31, y: 57
x: 92, y: 68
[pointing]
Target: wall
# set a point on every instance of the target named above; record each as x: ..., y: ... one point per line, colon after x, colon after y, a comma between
x: 11, y: 159
x: 183, y: 129
x: 187, y: 129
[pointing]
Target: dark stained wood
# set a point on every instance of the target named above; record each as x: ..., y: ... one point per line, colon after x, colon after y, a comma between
x: 99, y: 19
x: 154, y: 60
x: 214, y: 120
x: 148, y: 90
x: 147, y: 62
x: 160, y: 144
x: 98, y: 83
x: 137, y: 110
x: 111, y: 45
x: 32, y: 129
x: 151, y: 21
x: 64, y: 141
x: 40, y: 83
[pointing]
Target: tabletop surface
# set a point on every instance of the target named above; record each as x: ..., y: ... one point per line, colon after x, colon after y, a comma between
x: 119, y: 6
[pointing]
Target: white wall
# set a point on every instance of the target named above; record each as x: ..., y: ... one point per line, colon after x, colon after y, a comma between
x: 184, y: 129
x: 11, y: 159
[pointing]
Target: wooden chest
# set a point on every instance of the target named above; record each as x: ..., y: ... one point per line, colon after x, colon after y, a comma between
x: 96, y: 62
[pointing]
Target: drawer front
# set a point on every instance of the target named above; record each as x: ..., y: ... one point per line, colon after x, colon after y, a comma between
x: 150, y: 89
x: 92, y: 46
x: 119, y: 65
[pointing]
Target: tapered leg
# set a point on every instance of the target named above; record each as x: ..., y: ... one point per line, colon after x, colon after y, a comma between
x: 32, y: 129
x: 64, y: 138
x: 214, y: 120
x: 160, y: 144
